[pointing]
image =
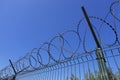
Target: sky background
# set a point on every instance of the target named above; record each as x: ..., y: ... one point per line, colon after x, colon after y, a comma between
x: 25, y: 24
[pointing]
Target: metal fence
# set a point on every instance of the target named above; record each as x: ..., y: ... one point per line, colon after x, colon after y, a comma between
x: 80, y: 67
x: 69, y: 56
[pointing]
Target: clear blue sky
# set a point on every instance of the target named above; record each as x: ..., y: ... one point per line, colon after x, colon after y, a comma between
x: 25, y: 24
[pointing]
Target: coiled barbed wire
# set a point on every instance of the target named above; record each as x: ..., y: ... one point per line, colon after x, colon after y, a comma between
x: 112, y: 10
x: 98, y: 32
x: 57, y: 48
x: 111, y: 27
x: 39, y: 54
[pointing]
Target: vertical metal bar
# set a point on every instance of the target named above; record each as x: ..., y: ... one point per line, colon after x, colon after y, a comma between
x: 99, y: 53
x: 90, y: 26
x: 12, y: 66
x: 79, y: 69
x: 102, y: 64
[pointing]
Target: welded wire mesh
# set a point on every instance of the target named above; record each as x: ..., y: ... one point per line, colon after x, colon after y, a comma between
x: 80, y: 67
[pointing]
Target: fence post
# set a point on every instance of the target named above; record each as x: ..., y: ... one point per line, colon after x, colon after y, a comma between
x: 13, y: 69
x: 99, y: 52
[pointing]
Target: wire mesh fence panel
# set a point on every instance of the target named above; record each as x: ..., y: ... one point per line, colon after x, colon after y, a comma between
x: 81, y: 67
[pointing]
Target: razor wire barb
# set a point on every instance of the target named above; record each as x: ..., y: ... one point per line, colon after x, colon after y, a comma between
x: 57, y: 48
